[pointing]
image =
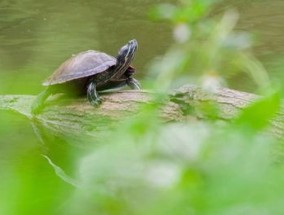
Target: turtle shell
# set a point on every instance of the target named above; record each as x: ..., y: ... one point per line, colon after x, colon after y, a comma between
x: 82, y: 65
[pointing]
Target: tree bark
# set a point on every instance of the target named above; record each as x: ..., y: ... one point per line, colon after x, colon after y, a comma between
x: 77, y: 115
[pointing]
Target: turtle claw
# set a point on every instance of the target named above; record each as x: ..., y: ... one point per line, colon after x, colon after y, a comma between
x: 133, y: 83
x: 96, y: 102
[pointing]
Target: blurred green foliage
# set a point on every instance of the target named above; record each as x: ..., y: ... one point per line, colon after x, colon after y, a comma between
x: 207, y: 49
x: 146, y: 166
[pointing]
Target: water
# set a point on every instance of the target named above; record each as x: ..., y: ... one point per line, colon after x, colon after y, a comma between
x: 37, y: 36
x: 265, y: 20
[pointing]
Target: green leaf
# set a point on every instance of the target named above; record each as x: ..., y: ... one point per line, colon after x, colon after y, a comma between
x: 258, y: 115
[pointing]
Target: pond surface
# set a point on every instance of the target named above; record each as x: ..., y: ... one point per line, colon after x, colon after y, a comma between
x: 265, y: 20
x: 37, y: 36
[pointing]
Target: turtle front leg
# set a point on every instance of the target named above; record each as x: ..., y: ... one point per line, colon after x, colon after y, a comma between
x: 92, y: 94
x: 133, y: 83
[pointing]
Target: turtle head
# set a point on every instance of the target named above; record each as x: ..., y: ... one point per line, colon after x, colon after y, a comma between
x: 125, y: 56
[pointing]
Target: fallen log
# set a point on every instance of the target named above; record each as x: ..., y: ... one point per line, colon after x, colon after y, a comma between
x: 77, y: 115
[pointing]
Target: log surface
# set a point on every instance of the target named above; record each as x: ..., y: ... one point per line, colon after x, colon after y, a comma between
x: 77, y: 115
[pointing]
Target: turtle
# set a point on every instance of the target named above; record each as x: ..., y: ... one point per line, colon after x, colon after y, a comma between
x: 89, y: 72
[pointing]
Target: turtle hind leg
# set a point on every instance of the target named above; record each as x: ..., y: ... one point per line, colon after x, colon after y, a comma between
x: 92, y: 94
x: 133, y: 83
x: 38, y: 103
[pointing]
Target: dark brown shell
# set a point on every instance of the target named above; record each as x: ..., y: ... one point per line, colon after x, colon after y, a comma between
x: 82, y: 65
